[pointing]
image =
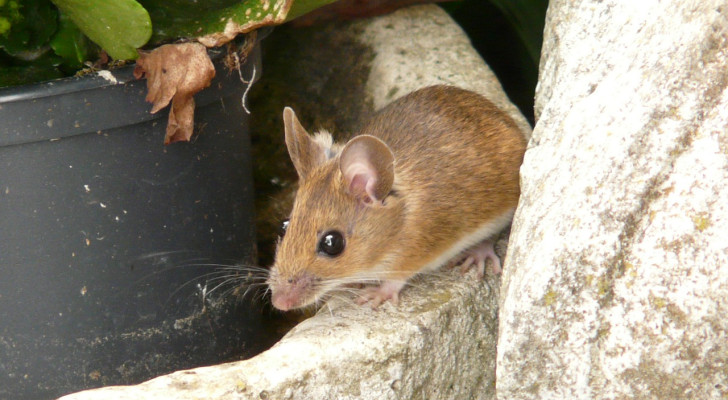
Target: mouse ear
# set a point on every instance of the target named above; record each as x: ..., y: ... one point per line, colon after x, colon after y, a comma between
x: 367, y: 164
x: 304, y: 151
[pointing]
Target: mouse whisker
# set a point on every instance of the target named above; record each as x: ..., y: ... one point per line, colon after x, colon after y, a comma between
x: 235, y: 282
x: 256, y: 288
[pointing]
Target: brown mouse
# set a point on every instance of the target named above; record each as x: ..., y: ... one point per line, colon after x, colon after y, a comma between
x: 431, y: 178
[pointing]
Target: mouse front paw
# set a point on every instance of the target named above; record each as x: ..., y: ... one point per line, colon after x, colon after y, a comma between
x: 375, y: 296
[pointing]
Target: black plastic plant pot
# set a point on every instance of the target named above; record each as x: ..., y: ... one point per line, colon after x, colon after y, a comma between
x: 111, y: 244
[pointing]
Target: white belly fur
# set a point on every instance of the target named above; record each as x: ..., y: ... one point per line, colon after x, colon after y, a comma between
x: 485, y: 231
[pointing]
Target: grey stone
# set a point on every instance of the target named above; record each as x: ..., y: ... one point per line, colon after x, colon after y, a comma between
x: 439, y: 343
x: 616, y: 285
x: 422, y: 46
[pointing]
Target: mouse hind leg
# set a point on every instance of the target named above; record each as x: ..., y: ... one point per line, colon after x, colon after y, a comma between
x: 387, y: 290
x: 476, y: 256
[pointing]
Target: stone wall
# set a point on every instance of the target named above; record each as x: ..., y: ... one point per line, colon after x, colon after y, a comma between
x: 617, y: 284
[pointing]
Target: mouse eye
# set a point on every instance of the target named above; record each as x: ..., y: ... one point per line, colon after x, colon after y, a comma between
x: 331, y: 243
x: 284, y: 227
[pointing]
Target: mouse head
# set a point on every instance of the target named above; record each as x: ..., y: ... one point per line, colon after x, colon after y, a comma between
x: 344, y: 219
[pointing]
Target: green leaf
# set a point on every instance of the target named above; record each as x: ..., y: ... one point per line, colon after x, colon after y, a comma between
x: 194, y: 18
x: 301, y: 7
x: 29, y: 30
x: 9, y: 15
x: 188, y: 18
x: 4, y: 25
x: 70, y: 43
x: 118, y: 26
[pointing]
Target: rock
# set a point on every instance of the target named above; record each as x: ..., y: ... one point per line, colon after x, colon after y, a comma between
x: 412, y: 54
x: 439, y: 343
x: 616, y: 284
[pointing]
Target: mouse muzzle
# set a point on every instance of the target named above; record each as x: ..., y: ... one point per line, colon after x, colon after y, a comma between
x: 290, y: 292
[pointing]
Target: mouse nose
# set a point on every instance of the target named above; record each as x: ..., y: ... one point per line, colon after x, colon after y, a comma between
x: 283, y: 302
x: 290, y: 293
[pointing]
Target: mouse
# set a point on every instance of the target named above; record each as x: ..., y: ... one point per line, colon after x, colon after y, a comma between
x: 429, y: 180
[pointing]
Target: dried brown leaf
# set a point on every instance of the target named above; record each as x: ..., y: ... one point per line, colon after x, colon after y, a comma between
x: 175, y: 72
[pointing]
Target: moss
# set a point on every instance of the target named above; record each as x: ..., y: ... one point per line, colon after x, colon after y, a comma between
x: 603, y: 330
x: 701, y: 222
x: 549, y: 298
x: 630, y: 270
x: 656, y: 302
x: 649, y: 377
x: 604, y: 286
x: 393, y: 91
x: 652, y: 215
x: 651, y: 380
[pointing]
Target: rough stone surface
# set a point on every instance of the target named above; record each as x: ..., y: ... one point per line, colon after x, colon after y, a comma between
x: 422, y: 46
x: 617, y: 286
x: 439, y: 343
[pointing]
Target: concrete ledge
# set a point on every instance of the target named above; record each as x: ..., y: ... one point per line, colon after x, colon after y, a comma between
x: 422, y: 46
